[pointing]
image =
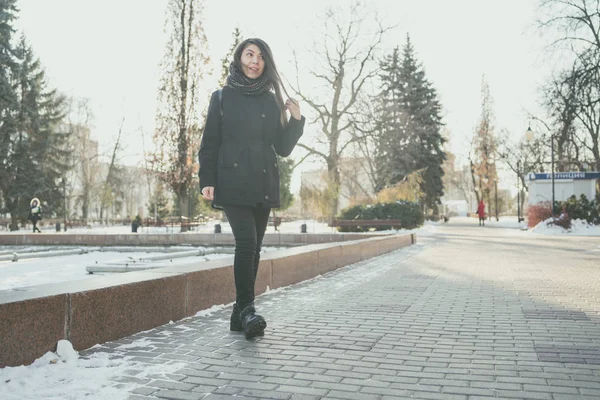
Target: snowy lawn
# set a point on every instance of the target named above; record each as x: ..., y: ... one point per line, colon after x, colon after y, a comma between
x: 65, y: 376
x: 38, y: 271
x: 285, y: 227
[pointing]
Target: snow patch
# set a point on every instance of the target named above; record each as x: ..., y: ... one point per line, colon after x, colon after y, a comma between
x: 579, y: 227
x: 65, y: 376
x: 209, y: 311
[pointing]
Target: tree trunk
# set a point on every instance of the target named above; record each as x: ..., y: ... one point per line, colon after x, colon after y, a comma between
x: 183, y: 210
x: 333, y: 174
x: 14, y: 222
x: 85, y: 206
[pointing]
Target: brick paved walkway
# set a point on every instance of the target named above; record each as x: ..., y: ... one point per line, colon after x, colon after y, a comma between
x: 468, y: 313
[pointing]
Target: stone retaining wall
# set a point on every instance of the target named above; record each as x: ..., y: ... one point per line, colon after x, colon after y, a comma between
x: 170, y: 239
x: 110, y: 307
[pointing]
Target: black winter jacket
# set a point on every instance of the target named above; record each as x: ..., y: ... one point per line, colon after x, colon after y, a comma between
x: 237, y: 153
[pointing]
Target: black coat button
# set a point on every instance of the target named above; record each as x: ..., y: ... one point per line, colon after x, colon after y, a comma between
x: 275, y: 164
x: 264, y: 171
x: 264, y: 116
x: 266, y: 197
x: 235, y: 165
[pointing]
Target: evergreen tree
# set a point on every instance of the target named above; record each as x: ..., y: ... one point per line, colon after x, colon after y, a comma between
x: 8, y: 100
x: 226, y: 61
x: 37, y: 156
x: 409, y: 126
x: 159, y: 203
x: 286, y: 167
x: 392, y: 161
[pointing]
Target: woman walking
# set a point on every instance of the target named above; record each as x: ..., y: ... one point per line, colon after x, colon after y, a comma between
x: 246, y: 127
x: 35, y: 213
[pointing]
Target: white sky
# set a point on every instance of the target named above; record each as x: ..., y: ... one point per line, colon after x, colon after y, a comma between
x: 109, y: 51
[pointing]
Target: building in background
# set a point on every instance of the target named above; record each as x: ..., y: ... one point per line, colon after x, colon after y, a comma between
x: 566, y: 184
x: 87, y: 194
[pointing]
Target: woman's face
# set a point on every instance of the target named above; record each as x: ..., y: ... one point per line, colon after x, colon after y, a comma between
x: 252, y: 61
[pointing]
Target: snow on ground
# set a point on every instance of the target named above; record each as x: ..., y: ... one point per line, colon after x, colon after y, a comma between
x: 578, y: 228
x: 285, y: 227
x: 38, y: 271
x: 65, y: 376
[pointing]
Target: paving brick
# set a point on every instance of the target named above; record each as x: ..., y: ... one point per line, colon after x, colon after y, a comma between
x: 178, y: 395
x: 437, y: 396
x: 171, y: 385
x: 264, y: 394
x: 334, y: 394
x: 302, y: 390
x: 144, y: 390
x: 386, y: 391
x: 511, y: 394
x: 550, y: 389
x: 253, y: 385
x: 468, y: 391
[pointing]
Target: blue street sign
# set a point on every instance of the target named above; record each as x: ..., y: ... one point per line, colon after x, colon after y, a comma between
x: 564, y: 175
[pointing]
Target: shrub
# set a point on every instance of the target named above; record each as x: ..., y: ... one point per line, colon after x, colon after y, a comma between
x: 563, y: 221
x: 580, y: 208
x: 408, y: 213
x: 569, y: 210
x: 537, y: 213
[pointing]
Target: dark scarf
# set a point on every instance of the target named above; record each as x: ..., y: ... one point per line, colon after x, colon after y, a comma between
x: 237, y: 80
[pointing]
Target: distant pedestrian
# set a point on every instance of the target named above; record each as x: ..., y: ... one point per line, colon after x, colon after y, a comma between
x: 35, y: 213
x: 246, y: 128
x: 481, y: 212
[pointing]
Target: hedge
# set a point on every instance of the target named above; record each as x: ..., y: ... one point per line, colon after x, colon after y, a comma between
x: 408, y: 213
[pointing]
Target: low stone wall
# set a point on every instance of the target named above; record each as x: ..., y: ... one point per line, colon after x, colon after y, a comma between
x: 170, y: 239
x: 93, y: 311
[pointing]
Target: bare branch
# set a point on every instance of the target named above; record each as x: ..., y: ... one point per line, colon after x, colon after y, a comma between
x: 313, y: 151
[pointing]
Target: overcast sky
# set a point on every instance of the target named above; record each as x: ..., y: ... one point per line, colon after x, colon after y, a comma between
x: 109, y: 51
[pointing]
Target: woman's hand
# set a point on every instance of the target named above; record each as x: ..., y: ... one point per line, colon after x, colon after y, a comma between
x: 208, y: 193
x: 294, y: 108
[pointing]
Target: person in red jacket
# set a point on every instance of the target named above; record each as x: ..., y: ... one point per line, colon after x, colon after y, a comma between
x: 481, y: 212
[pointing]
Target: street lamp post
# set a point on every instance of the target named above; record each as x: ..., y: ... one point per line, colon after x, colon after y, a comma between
x: 65, y: 203
x: 518, y: 192
x: 529, y: 138
x: 552, y: 177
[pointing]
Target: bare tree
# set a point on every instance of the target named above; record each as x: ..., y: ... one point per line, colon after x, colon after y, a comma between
x: 588, y: 113
x: 347, y: 68
x: 576, y: 24
x: 522, y: 156
x: 560, y: 99
x: 228, y: 58
x: 112, y: 185
x: 482, y: 159
x: 84, y: 156
x: 366, y: 145
x: 177, y: 134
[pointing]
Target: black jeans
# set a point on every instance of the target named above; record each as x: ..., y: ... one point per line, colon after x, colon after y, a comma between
x: 248, y: 225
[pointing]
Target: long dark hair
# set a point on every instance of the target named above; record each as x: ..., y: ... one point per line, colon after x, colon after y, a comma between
x: 270, y: 70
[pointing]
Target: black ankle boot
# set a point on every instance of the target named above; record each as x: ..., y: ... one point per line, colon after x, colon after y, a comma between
x: 235, y: 323
x: 252, y: 323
